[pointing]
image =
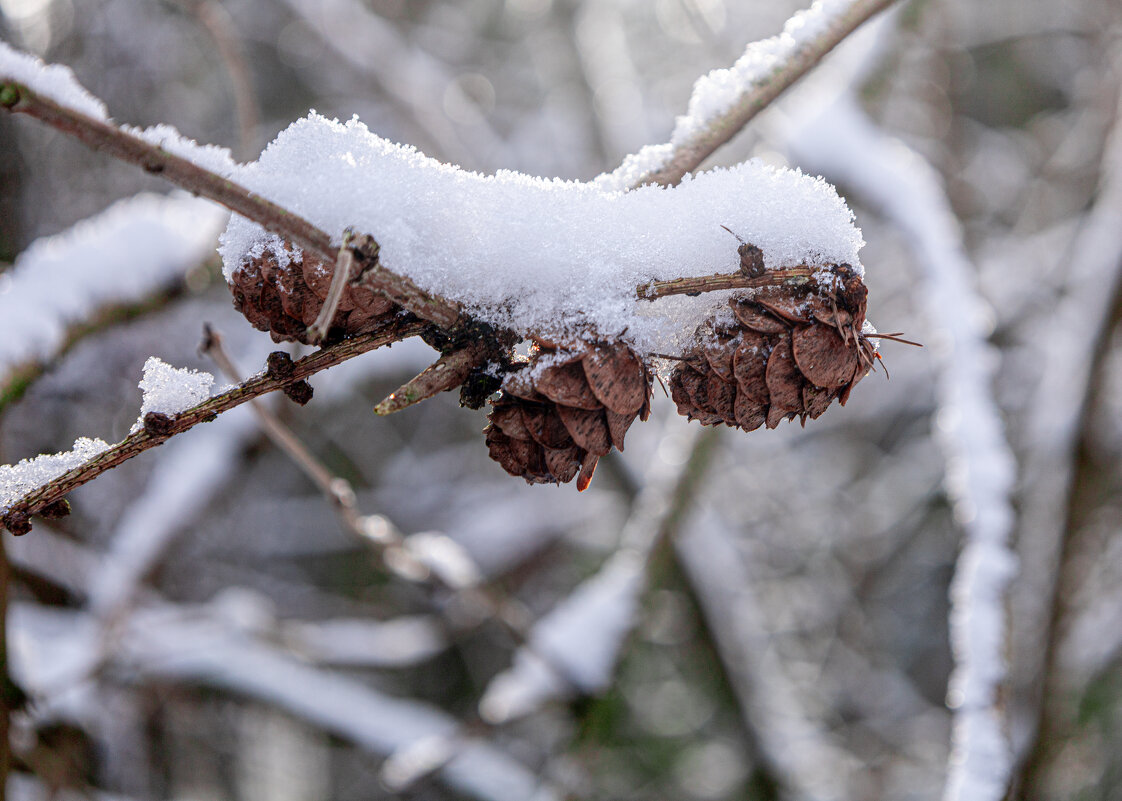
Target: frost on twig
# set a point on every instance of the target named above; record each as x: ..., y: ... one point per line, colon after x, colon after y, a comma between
x: 833, y: 134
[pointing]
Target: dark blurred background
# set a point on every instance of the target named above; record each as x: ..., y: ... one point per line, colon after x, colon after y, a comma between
x: 203, y: 626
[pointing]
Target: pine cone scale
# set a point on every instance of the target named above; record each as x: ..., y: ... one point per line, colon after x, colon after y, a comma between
x: 615, y: 376
x: 823, y: 357
x: 566, y: 384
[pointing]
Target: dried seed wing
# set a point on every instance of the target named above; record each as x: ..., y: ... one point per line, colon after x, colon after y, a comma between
x: 756, y: 318
x: 749, y: 365
x: 784, y: 305
x: 822, y: 356
x: 617, y: 378
x: 750, y: 415
x: 587, y: 468
x: 499, y: 446
x: 545, y: 426
x: 506, y: 414
x: 566, y: 384
x: 617, y: 426
x: 563, y: 463
x: 519, y: 384
x: 718, y: 353
x: 722, y: 399
x: 784, y: 381
x: 589, y: 429
x: 816, y: 400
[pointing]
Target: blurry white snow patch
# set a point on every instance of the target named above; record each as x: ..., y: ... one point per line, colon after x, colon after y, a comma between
x: 399, y: 642
x: 574, y: 647
x: 170, y: 390
x: 561, y: 258
x: 51, y: 81
x: 19, y: 479
x: 122, y: 254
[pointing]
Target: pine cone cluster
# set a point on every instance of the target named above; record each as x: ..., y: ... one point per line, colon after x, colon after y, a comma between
x: 285, y: 300
x: 790, y: 351
x: 567, y: 407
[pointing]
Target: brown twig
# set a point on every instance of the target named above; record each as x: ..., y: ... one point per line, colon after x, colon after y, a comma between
x: 447, y: 372
x: 344, y: 265
x: 102, y: 136
x: 262, y: 383
x: 711, y: 283
x: 689, y: 155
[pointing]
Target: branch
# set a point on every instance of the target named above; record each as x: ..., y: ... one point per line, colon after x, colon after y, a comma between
x: 687, y: 155
x: 17, y: 514
x: 105, y: 137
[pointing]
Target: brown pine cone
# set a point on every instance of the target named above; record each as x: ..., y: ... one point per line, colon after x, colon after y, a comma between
x: 286, y: 300
x: 565, y: 409
x: 789, y: 353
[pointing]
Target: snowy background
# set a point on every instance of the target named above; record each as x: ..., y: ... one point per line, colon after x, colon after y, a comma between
x: 833, y: 607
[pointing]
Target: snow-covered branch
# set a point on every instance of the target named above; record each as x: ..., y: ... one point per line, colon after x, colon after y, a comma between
x: 726, y: 100
x: 833, y: 134
x: 97, y: 459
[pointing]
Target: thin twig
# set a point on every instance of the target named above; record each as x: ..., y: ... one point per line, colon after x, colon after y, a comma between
x: 689, y: 155
x: 712, y: 283
x: 344, y: 265
x: 102, y: 136
x: 447, y: 372
x: 256, y: 386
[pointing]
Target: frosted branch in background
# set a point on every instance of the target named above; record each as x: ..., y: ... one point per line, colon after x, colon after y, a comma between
x: 127, y: 252
x: 802, y: 755
x: 725, y: 100
x: 225, y: 645
x: 832, y: 134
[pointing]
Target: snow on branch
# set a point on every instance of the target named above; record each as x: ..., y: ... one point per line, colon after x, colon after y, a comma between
x: 53, y: 81
x: 123, y: 254
x: 725, y: 100
x: 29, y: 496
x: 833, y: 134
x: 538, y: 255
